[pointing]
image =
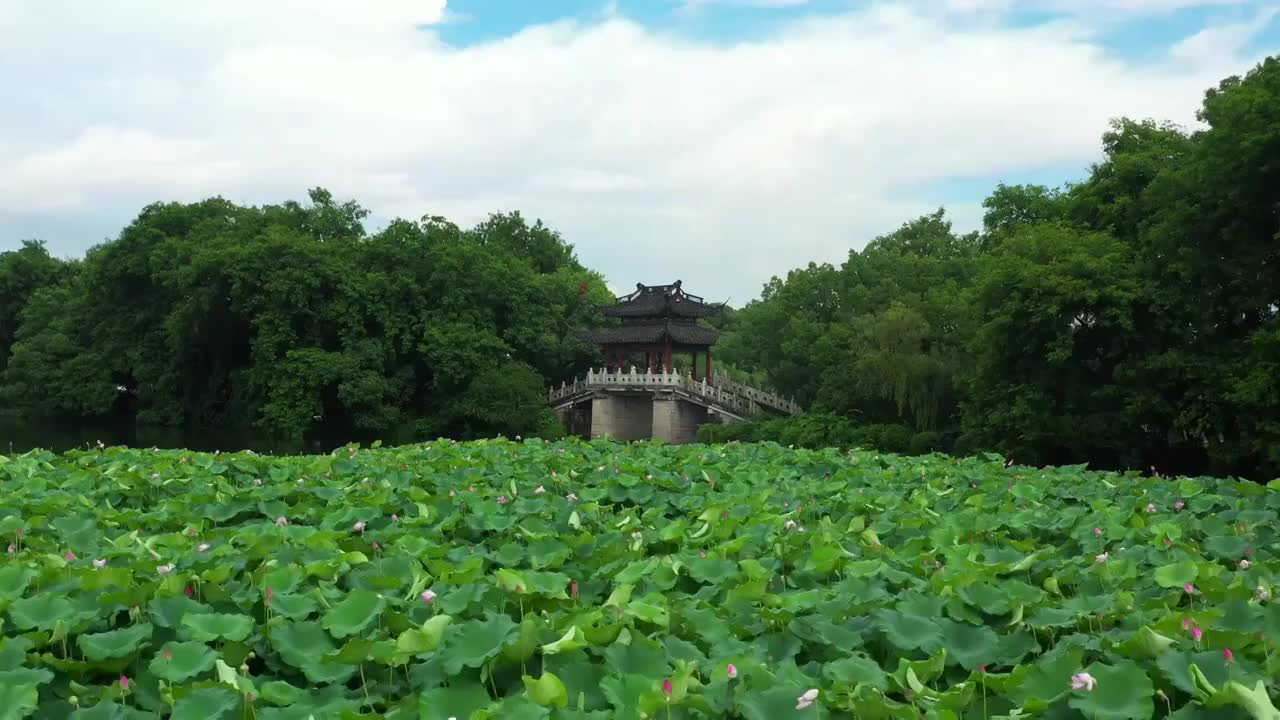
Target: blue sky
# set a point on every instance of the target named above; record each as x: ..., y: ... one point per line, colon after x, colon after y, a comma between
x: 722, y: 141
x: 1134, y: 35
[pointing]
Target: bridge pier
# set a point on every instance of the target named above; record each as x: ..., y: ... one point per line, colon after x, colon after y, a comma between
x: 621, y: 416
x: 675, y: 420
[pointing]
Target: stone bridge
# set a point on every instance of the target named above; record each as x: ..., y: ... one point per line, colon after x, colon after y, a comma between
x: 662, y: 405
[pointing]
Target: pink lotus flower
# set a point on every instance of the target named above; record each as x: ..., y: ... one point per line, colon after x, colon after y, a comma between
x: 124, y: 683
x: 1101, y: 558
x: 732, y: 670
x: 188, y: 591
x: 1186, y: 623
x: 71, y: 556
x: 1151, y: 508
x: 502, y: 499
x: 168, y: 654
x: 202, y: 547
x: 1191, y: 589
x: 1228, y: 656
x: 1244, y: 564
x: 100, y: 563
x: 1179, y: 505
x: 806, y: 699
x: 573, y: 589
x: 395, y: 518
x: 666, y: 688
x: 164, y: 569
x: 1197, y: 633
x: 267, y: 601
x: 282, y: 521
x: 1097, y: 531
x: 428, y: 596
x: 1083, y: 681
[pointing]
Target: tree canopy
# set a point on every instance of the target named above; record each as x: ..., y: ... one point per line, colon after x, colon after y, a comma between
x: 284, y: 318
x: 1128, y: 320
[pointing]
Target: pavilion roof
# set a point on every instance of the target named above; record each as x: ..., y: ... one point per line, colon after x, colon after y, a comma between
x: 661, y: 301
x: 679, y: 333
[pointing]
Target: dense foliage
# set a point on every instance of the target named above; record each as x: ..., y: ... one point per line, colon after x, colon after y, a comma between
x: 531, y: 580
x: 288, y: 318
x: 1131, y: 319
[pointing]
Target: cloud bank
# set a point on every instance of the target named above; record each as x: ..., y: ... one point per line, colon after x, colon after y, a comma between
x: 657, y: 154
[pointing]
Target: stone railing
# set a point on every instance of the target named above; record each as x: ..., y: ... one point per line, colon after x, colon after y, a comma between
x: 732, y: 396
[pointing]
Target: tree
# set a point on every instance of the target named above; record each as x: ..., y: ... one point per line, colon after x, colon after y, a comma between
x: 22, y: 273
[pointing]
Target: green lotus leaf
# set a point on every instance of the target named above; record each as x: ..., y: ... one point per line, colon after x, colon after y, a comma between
x: 1123, y: 692
x: 456, y: 701
x: 631, y: 695
x: 572, y: 639
x: 216, y: 626
x: 105, y: 710
x: 78, y: 532
x: 13, y: 652
x: 546, y: 690
x: 167, y: 612
x: 970, y: 645
x: 1176, y: 667
x: 305, y: 645
x: 475, y: 641
x: 353, y: 613
x: 14, y: 580
x: 856, y: 670
x: 426, y: 638
x: 909, y: 632
x: 180, y: 661
x: 206, y: 704
x: 293, y: 606
x: 25, y: 676
x: 647, y: 612
x: 1255, y: 700
x: 44, y: 613
x: 278, y: 692
x: 115, y: 643
x: 1176, y: 574
x: 779, y: 702
x: 18, y: 700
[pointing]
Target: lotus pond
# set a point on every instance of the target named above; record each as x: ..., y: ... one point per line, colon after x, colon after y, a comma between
x: 515, y: 580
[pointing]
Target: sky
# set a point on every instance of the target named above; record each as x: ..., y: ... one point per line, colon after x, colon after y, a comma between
x: 720, y: 142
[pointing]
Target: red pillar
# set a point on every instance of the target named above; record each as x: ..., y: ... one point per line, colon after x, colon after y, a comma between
x: 653, y: 361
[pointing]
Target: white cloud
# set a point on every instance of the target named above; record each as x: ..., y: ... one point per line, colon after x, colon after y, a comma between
x: 657, y: 156
x: 1222, y: 40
